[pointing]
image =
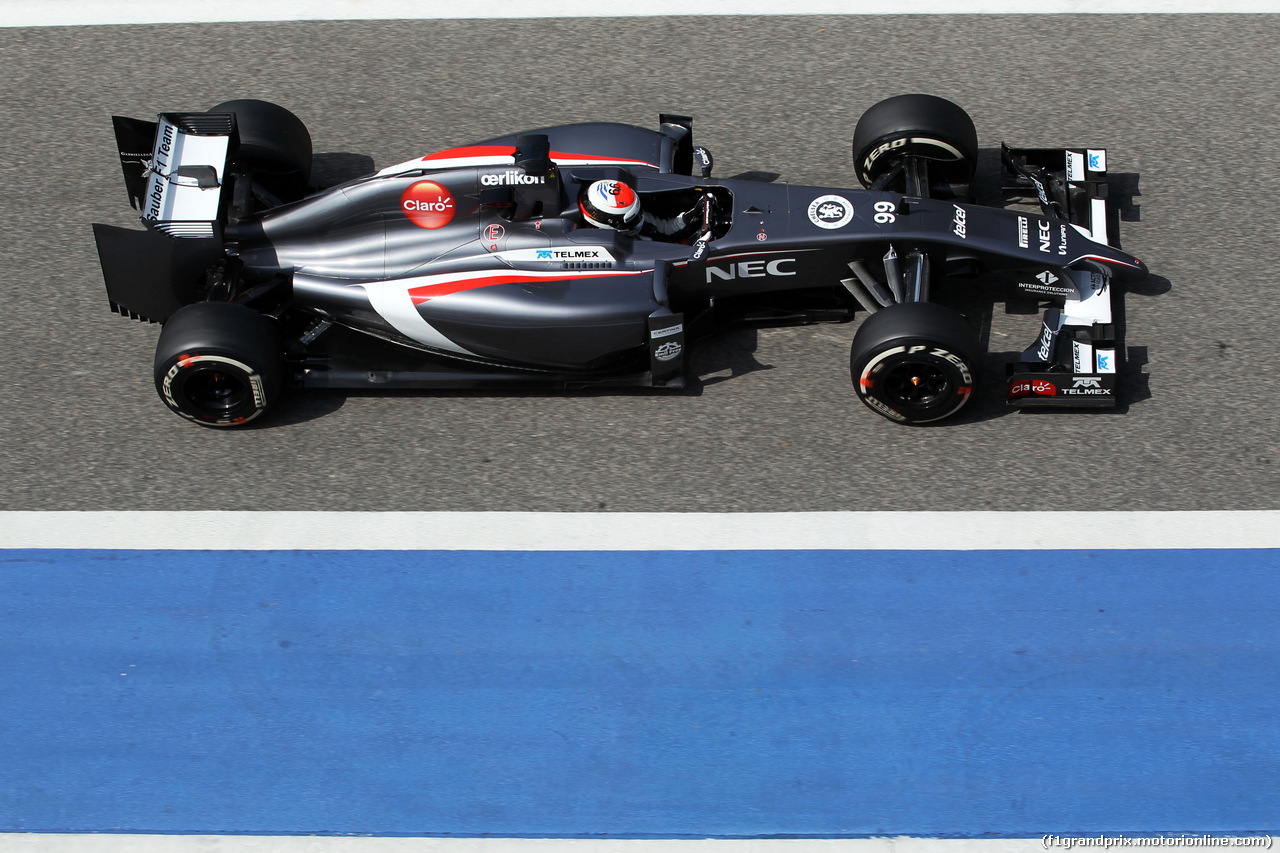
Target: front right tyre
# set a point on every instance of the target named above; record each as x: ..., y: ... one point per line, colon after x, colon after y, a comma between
x: 219, y: 364
x: 915, y: 363
x: 923, y: 126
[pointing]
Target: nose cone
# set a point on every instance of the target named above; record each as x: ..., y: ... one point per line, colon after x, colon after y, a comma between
x: 1126, y: 267
x: 1141, y: 272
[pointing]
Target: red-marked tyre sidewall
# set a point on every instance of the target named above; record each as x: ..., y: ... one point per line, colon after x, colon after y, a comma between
x: 949, y: 378
x: 219, y: 365
x: 915, y: 363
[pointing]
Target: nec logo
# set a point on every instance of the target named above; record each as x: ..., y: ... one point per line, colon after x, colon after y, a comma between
x: 750, y: 269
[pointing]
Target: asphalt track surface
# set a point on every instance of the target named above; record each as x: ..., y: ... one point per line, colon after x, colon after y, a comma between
x: 1187, y: 106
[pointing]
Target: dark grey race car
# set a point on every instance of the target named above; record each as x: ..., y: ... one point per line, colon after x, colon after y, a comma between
x: 473, y: 267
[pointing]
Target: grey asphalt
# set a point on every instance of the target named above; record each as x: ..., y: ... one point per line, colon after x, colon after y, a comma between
x: 1186, y: 105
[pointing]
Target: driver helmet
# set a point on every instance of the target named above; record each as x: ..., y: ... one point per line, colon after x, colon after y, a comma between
x: 611, y: 204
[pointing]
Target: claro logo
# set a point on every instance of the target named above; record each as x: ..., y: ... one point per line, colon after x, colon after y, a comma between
x: 428, y: 205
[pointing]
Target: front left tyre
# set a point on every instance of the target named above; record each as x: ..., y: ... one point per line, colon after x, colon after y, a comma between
x: 219, y: 364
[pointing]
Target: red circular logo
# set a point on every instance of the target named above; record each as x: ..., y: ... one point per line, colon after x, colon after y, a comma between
x: 428, y: 205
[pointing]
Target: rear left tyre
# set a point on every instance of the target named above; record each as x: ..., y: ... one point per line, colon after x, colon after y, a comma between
x: 219, y: 364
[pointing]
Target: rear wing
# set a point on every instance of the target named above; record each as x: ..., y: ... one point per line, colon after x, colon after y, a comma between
x: 175, y: 168
x: 175, y: 173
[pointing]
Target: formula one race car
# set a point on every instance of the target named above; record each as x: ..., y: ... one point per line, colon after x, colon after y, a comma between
x: 483, y: 266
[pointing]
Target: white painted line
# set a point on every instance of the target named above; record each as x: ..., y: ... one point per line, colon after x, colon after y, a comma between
x: 48, y: 13
x: 535, y: 531
x: 32, y: 843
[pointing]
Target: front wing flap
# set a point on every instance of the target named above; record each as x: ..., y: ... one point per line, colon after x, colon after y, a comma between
x: 1073, y: 360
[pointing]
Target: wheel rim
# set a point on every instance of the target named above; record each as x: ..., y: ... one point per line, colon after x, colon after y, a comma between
x: 916, y: 385
x: 215, y: 390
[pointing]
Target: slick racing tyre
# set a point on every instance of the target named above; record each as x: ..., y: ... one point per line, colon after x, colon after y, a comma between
x: 275, y: 146
x: 219, y: 364
x: 926, y: 126
x: 915, y: 363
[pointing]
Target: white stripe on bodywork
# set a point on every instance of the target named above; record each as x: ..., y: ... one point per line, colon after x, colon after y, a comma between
x: 391, y: 299
x: 592, y: 161
x: 86, y: 843
x: 490, y: 160
x: 447, y: 163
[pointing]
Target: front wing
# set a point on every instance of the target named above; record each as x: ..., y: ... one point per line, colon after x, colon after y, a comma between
x: 1073, y: 362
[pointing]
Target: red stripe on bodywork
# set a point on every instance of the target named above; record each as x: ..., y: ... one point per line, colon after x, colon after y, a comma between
x: 508, y: 151
x: 1109, y: 260
x: 427, y: 292
x: 473, y: 151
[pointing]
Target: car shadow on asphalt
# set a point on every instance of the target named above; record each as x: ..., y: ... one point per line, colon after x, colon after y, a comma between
x: 329, y: 169
x: 728, y: 355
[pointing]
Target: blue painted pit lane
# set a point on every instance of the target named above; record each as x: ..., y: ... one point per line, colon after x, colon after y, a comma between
x: 639, y: 694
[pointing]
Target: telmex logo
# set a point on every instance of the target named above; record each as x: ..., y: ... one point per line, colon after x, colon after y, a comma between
x: 428, y: 205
